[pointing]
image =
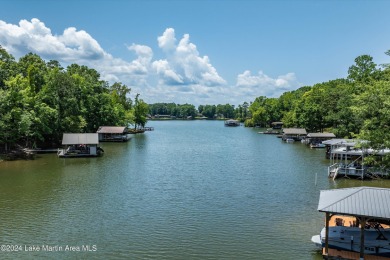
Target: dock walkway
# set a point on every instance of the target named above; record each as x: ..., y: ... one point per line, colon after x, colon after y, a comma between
x: 42, y: 151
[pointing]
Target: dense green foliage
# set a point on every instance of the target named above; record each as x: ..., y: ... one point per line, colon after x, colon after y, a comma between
x: 141, y: 110
x: 338, y: 105
x: 356, y: 107
x: 39, y: 101
x: 173, y: 110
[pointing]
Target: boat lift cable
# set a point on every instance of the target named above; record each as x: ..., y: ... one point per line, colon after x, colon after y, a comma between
x: 381, y: 236
x: 352, y: 163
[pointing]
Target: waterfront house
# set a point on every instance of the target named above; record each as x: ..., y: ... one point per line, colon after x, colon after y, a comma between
x: 296, y: 134
x: 113, y: 134
x: 80, y: 145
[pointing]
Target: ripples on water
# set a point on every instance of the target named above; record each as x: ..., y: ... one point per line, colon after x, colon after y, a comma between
x: 188, y: 190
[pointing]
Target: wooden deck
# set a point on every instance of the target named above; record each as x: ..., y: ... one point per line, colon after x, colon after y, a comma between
x: 348, y: 255
x: 63, y: 154
x: 139, y: 130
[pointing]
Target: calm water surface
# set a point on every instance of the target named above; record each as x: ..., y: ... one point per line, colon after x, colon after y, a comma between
x: 188, y: 190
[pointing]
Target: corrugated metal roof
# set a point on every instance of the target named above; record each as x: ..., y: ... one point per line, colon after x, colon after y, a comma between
x: 344, y: 142
x: 335, y: 141
x: 321, y: 135
x: 359, y: 152
x: 88, y: 138
x: 111, y: 129
x: 294, y: 131
x: 361, y: 201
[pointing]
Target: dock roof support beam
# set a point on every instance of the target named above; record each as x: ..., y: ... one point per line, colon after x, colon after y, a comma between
x: 362, y: 225
x: 327, y: 219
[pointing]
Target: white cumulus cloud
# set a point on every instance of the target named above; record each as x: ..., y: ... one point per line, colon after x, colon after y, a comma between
x: 167, y: 41
x: 183, y: 64
x: 181, y: 75
x: 35, y: 37
x: 142, y: 63
x: 72, y: 46
x: 263, y: 85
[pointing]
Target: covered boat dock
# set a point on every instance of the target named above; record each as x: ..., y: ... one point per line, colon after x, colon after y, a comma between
x: 296, y: 134
x: 232, y: 122
x: 347, y: 159
x: 363, y: 203
x: 113, y: 134
x: 333, y: 144
x: 318, y: 138
x: 277, y: 125
x: 80, y: 145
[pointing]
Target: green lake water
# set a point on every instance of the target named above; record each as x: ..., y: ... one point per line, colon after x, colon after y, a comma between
x: 188, y: 190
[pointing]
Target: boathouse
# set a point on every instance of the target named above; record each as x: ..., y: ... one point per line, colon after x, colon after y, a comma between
x: 113, y: 134
x: 367, y: 205
x: 347, y: 160
x: 314, y: 138
x: 296, y: 134
x: 277, y: 125
x: 332, y: 144
x: 80, y: 145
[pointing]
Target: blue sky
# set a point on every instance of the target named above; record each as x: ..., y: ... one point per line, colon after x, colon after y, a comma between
x: 204, y: 51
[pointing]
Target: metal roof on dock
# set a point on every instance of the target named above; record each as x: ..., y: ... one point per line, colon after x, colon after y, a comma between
x: 294, y: 131
x: 361, y: 201
x: 343, y: 142
x: 111, y: 129
x: 80, y: 138
x: 321, y: 135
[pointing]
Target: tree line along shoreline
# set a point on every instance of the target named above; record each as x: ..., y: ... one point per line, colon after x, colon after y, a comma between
x: 39, y: 101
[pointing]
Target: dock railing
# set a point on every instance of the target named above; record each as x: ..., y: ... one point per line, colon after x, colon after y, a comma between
x: 346, y: 170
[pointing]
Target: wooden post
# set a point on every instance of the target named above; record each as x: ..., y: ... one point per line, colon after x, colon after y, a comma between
x: 362, y: 225
x: 363, y: 164
x: 327, y: 219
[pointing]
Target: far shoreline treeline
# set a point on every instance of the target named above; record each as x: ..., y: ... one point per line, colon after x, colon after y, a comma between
x: 188, y: 111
